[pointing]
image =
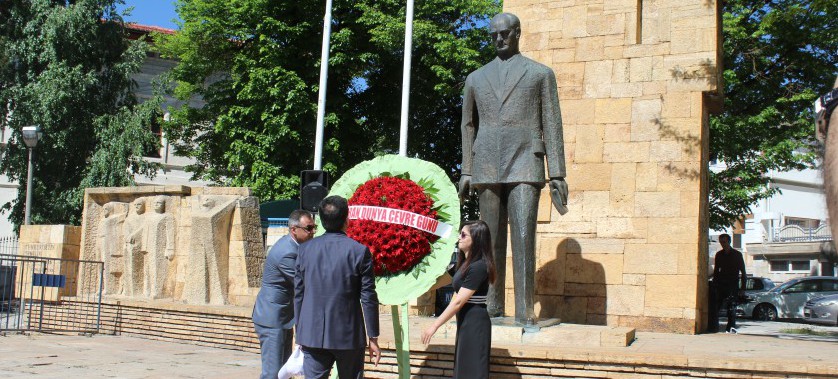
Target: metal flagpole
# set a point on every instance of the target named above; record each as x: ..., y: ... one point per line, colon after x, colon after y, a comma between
x: 408, y: 47
x: 324, y: 75
x: 401, y: 324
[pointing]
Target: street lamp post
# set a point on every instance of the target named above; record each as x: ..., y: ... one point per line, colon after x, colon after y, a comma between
x: 31, y: 135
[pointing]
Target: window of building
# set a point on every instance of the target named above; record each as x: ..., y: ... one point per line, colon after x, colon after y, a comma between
x: 800, y: 265
x: 157, y: 130
x: 788, y: 266
x: 779, y: 266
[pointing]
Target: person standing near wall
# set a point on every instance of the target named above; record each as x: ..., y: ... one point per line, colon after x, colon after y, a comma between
x: 475, y: 272
x: 273, y: 312
x: 729, y: 285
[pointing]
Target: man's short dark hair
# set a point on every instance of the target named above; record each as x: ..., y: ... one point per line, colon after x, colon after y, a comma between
x: 296, y: 216
x: 724, y: 235
x: 333, y: 213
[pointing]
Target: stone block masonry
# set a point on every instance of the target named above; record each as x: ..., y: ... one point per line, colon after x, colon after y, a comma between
x: 633, y: 79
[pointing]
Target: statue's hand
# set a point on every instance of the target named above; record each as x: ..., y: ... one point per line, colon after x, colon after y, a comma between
x: 170, y: 254
x: 465, y: 187
x: 558, y: 193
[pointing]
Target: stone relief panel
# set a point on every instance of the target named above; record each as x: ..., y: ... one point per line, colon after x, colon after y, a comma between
x: 199, y: 245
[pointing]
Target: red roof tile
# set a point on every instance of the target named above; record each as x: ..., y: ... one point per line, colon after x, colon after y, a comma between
x: 148, y: 28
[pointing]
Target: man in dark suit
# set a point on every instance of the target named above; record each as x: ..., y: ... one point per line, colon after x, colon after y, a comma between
x: 511, y: 122
x: 334, y: 298
x: 273, y: 313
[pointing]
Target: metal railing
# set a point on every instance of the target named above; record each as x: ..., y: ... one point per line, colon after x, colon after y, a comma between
x: 8, y: 245
x: 274, y: 222
x: 48, y: 295
x: 794, y: 233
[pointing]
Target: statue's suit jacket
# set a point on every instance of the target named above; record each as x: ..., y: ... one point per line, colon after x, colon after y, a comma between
x: 335, y: 293
x: 274, y: 306
x: 508, y: 129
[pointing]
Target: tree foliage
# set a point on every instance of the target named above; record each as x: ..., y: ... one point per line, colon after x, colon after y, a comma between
x: 779, y: 56
x: 255, y: 64
x: 67, y: 66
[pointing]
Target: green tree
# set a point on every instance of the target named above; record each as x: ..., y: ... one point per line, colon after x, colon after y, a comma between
x: 779, y: 56
x: 255, y: 65
x: 67, y: 66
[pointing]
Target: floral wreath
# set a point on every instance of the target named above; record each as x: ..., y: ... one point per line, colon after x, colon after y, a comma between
x: 407, y: 212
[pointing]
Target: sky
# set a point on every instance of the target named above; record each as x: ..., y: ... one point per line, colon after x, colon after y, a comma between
x: 152, y: 12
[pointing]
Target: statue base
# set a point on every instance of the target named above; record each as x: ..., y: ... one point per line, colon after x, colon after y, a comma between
x: 505, y: 330
x: 527, y: 327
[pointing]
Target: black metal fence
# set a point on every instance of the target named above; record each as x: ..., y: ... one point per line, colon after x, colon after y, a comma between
x: 49, y: 295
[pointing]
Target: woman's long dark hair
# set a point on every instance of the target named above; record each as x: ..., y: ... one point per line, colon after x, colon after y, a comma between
x: 481, y: 247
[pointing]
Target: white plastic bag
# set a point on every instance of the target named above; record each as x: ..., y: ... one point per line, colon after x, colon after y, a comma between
x: 294, y: 366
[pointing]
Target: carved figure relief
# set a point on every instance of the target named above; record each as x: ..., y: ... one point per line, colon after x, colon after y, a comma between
x: 158, y: 248
x: 207, y: 265
x: 133, y: 234
x: 111, y: 247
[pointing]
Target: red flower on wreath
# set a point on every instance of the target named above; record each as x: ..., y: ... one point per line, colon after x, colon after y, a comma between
x: 395, y: 248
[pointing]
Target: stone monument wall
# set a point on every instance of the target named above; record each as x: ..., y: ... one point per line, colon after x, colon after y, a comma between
x: 195, y: 245
x: 637, y: 80
x: 60, y: 242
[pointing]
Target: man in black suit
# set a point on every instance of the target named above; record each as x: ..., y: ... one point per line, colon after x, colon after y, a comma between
x: 511, y: 125
x: 334, y: 298
x: 273, y: 312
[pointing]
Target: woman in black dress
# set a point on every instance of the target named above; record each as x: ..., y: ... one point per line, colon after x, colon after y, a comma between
x: 475, y: 271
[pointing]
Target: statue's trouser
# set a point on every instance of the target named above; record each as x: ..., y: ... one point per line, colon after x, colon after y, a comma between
x: 517, y: 204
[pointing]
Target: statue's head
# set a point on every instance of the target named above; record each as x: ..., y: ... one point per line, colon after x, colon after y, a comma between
x: 160, y: 204
x: 139, y: 206
x: 505, y: 30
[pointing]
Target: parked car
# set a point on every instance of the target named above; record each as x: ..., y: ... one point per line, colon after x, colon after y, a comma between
x: 753, y: 284
x: 822, y: 310
x: 787, y: 300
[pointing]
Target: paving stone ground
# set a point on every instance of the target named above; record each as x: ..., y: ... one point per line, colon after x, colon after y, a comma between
x: 68, y: 356
x: 102, y: 356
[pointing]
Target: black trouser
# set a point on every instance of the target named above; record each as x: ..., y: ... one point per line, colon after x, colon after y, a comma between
x: 726, y: 297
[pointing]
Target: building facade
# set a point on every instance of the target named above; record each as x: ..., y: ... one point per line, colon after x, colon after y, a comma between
x: 787, y: 235
x: 172, y: 167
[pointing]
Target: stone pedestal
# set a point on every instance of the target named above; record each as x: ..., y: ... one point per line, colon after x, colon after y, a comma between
x: 58, y: 242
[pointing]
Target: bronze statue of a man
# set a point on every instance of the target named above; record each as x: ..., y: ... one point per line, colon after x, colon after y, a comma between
x: 511, y: 122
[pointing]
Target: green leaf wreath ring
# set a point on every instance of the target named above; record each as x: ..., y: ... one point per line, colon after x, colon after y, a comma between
x: 404, y: 286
